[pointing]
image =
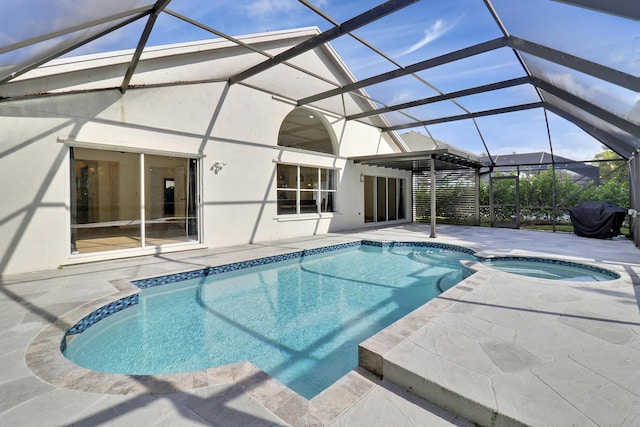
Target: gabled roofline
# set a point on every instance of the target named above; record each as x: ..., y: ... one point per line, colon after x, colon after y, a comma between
x: 61, y: 65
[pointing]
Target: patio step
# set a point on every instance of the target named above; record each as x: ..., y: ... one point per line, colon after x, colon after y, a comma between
x: 453, y: 388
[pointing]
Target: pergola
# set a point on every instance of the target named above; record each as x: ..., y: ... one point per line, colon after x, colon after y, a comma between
x: 427, y: 162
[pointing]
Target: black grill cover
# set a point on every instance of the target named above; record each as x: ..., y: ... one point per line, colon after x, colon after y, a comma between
x: 600, y: 220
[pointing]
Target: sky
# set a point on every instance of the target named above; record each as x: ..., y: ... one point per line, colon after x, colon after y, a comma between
x: 420, y: 31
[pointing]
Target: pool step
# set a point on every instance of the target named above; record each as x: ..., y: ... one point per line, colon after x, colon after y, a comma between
x: 451, y: 387
x: 397, y: 355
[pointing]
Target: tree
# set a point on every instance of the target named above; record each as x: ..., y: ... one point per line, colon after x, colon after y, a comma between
x: 609, y: 191
x: 613, y: 169
x: 536, y: 192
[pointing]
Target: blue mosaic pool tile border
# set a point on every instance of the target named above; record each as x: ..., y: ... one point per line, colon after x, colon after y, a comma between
x: 123, y: 303
x: 445, y: 246
x: 208, y: 271
x: 602, y: 271
x: 316, y: 251
x: 99, y: 314
x: 131, y: 300
x: 225, y: 268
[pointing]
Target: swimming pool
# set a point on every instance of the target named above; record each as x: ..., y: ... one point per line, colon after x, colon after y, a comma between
x: 300, y: 320
x: 298, y: 316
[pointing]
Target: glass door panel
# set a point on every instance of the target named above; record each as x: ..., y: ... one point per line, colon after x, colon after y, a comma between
x: 382, y: 199
x: 105, y: 201
x: 393, y: 206
x: 369, y: 199
x: 401, y: 199
x: 169, y: 204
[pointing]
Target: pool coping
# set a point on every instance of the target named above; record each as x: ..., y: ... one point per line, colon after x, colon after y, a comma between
x: 46, y: 361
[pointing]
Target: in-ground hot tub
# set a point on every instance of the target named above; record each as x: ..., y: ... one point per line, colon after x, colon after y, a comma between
x: 553, y: 269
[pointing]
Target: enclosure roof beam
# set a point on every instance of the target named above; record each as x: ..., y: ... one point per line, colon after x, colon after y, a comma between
x: 58, y: 53
x: 361, y: 20
x: 157, y: 8
x: 503, y: 110
x: 138, y: 12
x: 362, y: 41
x: 410, y: 69
x: 444, y: 97
x: 248, y: 46
x: 624, y: 8
x: 594, y: 110
x: 622, y: 148
x: 593, y: 69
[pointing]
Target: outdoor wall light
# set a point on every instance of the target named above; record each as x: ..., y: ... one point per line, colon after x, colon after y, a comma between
x: 361, y: 177
x: 217, y: 167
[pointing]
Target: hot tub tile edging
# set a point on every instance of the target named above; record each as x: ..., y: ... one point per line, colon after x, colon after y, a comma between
x: 596, y: 269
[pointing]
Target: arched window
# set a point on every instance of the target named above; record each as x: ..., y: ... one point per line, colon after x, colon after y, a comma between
x: 303, y: 189
x: 305, y: 130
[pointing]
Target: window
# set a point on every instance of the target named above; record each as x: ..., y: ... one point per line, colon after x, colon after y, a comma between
x: 303, y: 129
x: 131, y: 200
x: 383, y: 199
x: 305, y: 190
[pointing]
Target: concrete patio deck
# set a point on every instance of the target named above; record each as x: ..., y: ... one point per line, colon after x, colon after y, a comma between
x: 497, y: 349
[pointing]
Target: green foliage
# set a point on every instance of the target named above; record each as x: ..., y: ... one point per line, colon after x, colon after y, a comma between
x: 421, y: 195
x: 536, y: 194
x: 448, y: 195
x: 450, y: 205
x: 614, y: 170
x: 610, y: 191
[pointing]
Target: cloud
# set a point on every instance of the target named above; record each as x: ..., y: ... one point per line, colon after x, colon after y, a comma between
x: 401, y: 96
x: 264, y: 9
x: 431, y: 33
x: 6, y: 39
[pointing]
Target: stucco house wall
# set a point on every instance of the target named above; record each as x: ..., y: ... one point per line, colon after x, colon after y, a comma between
x: 235, y: 126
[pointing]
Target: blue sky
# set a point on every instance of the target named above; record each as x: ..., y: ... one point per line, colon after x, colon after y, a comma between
x: 426, y: 29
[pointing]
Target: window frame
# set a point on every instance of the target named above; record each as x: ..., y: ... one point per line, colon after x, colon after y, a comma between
x: 377, y: 205
x: 316, y: 188
x: 299, y: 121
x: 141, y: 220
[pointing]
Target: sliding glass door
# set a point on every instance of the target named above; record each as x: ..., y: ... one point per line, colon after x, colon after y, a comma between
x: 131, y: 200
x: 383, y: 199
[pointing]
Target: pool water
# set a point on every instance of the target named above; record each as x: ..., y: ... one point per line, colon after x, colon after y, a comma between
x: 299, y: 320
x: 550, y: 269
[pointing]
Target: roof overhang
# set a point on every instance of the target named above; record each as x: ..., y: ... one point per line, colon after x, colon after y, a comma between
x: 418, y: 161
